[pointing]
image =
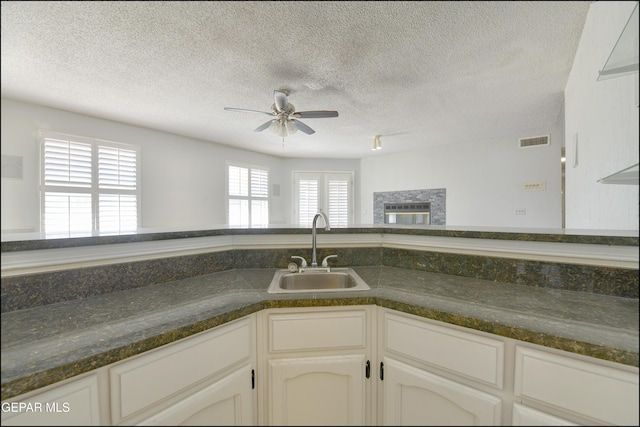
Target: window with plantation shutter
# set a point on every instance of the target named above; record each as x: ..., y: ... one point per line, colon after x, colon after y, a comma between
x: 88, y: 185
x: 332, y: 192
x: 307, y: 201
x: 247, y: 196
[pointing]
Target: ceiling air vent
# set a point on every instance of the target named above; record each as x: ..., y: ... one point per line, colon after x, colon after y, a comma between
x: 533, y: 141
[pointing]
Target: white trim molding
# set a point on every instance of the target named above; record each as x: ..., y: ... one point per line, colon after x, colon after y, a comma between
x: 46, y: 260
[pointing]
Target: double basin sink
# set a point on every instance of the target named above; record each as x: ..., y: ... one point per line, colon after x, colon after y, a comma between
x: 335, y: 280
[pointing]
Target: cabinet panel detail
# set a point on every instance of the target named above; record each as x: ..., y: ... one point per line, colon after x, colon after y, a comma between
x: 472, y: 356
x: 71, y: 404
x: 325, y: 390
x: 597, y: 391
x: 146, y: 380
x: 525, y: 416
x: 413, y: 396
x: 310, y: 331
x: 226, y: 402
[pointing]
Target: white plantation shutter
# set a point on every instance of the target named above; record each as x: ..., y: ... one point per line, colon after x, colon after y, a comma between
x: 118, y: 212
x: 117, y: 168
x: 67, y: 163
x: 307, y: 201
x: 259, y: 183
x: 67, y: 213
x: 247, y: 196
x: 88, y: 185
x: 238, y: 179
x: 338, y: 201
x: 238, y: 213
x: 330, y: 191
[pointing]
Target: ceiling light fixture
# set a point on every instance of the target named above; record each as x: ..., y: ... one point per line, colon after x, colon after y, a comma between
x: 283, y: 127
x: 377, y: 144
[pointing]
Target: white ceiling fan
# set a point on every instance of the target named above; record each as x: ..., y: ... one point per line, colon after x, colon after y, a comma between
x: 285, y: 117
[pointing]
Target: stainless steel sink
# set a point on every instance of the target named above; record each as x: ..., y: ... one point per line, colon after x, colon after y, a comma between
x: 336, y: 280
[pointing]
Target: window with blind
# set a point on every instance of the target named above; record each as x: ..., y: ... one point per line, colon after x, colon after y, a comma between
x: 330, y: 191
x: 247, y: 196
x: 88, y: 185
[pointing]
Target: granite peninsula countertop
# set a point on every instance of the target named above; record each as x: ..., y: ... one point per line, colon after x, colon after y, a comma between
x: 53, y: 342
x: 15, y: 242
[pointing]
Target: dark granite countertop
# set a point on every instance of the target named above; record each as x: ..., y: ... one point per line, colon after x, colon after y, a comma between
x: 12, y: 242
x: 50, y: 343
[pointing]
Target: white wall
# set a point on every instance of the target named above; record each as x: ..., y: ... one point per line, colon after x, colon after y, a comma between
x: 182, y: 181
x: 604, y: 115
x: 484, y: 180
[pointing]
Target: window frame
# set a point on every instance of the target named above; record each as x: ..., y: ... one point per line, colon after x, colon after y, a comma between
x: 323, y: 178
x: 249, y: 197
x: 94, y: 189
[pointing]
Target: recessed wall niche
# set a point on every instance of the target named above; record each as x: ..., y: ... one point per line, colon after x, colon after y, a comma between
x: 437, y: 197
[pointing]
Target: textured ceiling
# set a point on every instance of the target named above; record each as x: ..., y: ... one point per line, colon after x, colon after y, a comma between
x: 420, y: 74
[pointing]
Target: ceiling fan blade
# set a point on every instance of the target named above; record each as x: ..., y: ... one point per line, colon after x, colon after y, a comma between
x: 281, y: 102
x: 248, y: 111
x: 264, y: 125
x: 315, y: 114
x: 304, y: 128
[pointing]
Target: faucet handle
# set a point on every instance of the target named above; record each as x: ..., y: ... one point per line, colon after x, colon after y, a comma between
x: 304, y: 261
x: 324, y: 261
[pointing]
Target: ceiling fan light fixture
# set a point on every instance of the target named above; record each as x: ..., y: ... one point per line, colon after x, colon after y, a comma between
x: 291, y: 127
x: 277, y: 128
x: 284, y: 116
x: 377, y: 144
x: 283, y: 127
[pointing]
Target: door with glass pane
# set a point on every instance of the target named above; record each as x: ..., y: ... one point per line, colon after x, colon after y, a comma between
x: 330, y: 191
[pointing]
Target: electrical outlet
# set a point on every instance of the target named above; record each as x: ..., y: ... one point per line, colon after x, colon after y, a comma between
x: 535, y: 186
x: 519, y: 211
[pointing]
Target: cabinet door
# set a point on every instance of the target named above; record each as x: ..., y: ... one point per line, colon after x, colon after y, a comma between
x: 153, y: 381
x: 525, y: 416
x: 413, y: 396
x: 227, y: 402
x: 327, y: 390
x: 590, y: 389
x: 75, y: 402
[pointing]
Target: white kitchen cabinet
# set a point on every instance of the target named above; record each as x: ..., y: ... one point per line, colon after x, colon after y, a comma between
x: 525, y: 416
x: 414, y: 396
x: 322, y: 365
x: 595, y: 391
x: 415, y: 353
x: 207, y: 379
x: 74, y: 402
x: 226, y: 402
x: 317, y: 364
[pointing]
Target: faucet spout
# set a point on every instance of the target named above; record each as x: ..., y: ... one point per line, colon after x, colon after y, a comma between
x: 314, y: 261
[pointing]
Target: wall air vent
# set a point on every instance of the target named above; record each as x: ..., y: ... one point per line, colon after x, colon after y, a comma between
x: 533, y: 141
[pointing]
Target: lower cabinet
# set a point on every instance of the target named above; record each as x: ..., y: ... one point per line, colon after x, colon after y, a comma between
x: 414, y: 396
x: 432, y: 374
x: 344, y: 365
x: 525, y: 416
x: 568, y: 385
x: 73, y: 402
x: 317, y: 366
x: 226, y: 402
x: 327, y: 390
x: 205, y: 379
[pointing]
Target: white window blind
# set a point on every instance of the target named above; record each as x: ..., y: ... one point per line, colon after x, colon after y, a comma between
x: 247, y: 196
x: 307, y: 201
x: 88, y: 185
x: 330, y: 191
x: 338, y: 201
